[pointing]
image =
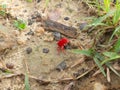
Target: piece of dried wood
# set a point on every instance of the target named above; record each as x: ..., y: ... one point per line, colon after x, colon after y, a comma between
x: 58, y: 27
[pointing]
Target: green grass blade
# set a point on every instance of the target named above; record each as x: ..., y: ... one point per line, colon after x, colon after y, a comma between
x: 100, y: 66
x: 107, y: 5
x: 84, y: 52
x: 117, y: 46
x: 112, y: 56
x: 99, y: 20
x: 3, y: 11
x: 27, y: 85
x: 20, y: 24
x: 115, y: 31
x: 111, y: 59
x: 116, y: 15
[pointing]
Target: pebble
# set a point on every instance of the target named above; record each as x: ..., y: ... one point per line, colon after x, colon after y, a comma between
x: 9, y: 65
x: 57, y: 35
x: 30, y: 33
x: 67, y: 46
x: 38, y: 1
x: 28, y: 50
x: 36, y: 15
x: 66, y: 18
x: 45, y: 50
x: 62, y: 66
x: 30, y: 21
x: 82, y: 26
x: 79, y: 72
x: 39, y: 31
x: 21, y: 41
x: 24, y: 11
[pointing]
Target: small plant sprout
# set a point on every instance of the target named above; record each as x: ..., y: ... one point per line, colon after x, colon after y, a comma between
x: 3, y: 9
x: 20, y: 24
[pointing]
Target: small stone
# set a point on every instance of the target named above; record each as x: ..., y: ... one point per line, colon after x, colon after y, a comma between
x: 38, y: 1
x: 57, y: 35
x: 30, y: 33
x: 30, y: 21
x: 61, y: 66
x: 21, y: 41
x: 22, y: 38
x: 9, y: 65
x: 28, y: 50
x: 24, y: 10
x: 79, y: 72
x: 82, y: 26
x: 36, y: 15
x: 45, y: 50
x: 68, y: 46
x: 39, y: 31
x: 66, y: 18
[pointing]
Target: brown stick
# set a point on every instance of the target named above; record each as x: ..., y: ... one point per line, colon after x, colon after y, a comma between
x: 58, y: 27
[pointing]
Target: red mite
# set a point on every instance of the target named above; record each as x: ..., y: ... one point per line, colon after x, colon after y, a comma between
x: 61, y: 43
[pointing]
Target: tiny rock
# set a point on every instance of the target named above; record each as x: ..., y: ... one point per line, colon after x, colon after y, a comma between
x: 30, y: 21
x: 57, y: 35
x: 22, y: 38
x: 30, y: 33
x: 21, y: 41
x: 28, y: 50
x: 9, y: 65
x: 40, y: 31
x: 45, y: 50
x: 66, y: 18
x: 38, y: 1
x: 82, y: 25
x: 61, y: 66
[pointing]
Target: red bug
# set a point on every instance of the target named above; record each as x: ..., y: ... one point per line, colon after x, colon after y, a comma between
x: 61, y: 44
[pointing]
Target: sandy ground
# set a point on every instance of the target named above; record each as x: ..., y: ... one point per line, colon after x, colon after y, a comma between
x: 40, y: 66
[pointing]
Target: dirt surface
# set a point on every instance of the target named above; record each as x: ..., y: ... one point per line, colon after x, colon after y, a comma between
x: 34, y: 50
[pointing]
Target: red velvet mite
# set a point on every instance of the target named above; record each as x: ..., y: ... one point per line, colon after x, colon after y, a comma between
x: 61, y: 43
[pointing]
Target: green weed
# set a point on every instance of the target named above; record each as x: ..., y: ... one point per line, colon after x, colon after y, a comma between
x: 96, y: 57
x: 20, y: 24
x: 27, y: 85
x: 101, y: 58
x: 116, y: 16
x: 111, y: 18
x: 3, y: 9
